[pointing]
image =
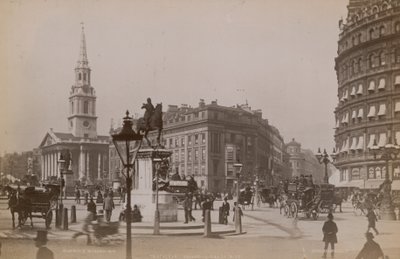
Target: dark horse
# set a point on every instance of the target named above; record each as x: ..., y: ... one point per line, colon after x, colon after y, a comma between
x: 20, y: 205
x: 152, y: 120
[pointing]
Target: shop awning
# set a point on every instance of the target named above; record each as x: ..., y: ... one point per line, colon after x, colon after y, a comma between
x: 373, y: 183
x: 396, y: 185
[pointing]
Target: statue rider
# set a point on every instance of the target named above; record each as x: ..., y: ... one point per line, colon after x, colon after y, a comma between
x: 149, y: 112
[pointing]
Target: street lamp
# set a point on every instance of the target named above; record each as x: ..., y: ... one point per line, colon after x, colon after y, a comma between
x: 61, y: 165
x: 238, y: 224
x: 323, y: 158
x: 122, y: 142
x: 389, y: 152
x: 157, y: 163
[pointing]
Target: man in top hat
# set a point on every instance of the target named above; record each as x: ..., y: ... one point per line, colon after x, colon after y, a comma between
x: 40, y: 242
x: 371, y: 249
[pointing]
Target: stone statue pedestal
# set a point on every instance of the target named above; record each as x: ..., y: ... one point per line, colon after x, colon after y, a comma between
x: 143, y: 195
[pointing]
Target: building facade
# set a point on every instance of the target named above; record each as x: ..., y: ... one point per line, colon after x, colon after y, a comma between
x: 304, y: 162
x: 207, y: 140
x: 87, y: 150
x: 368, y: 74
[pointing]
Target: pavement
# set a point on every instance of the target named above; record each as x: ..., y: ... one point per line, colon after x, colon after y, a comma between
x: 138, y: 228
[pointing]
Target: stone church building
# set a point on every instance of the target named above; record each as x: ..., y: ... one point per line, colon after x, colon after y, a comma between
x: 87, y: 150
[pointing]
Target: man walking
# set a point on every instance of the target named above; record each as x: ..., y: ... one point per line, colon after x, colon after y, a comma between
x: 108, y: 206
x: 371, y: 220
x: 225, y: 210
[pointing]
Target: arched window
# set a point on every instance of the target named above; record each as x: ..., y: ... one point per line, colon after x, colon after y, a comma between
x: 371, y: 61
x: 353, y: 41
x: 375, y: 9
x: 371, y: 34
x: 86, y: 107
x: 382, y: 31
x: 384, y: 6
x: 79, y: 76
x: 397, y: 27
x: 355, y: 66
x: 359, y: 63
x: 397, y: 55
x: 371, y: 173
x: 84, y: 76
x: 382, y: 59
x: 72, y: 107
x: 359, y: 38
x: 378, y: 173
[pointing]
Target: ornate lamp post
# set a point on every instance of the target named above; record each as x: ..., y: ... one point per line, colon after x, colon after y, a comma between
x: 238, y: 224
x: 323, y: 158
x: 61, y: 168
x: 126, y: 141
x: 389, y: 152
x: 157, y: 163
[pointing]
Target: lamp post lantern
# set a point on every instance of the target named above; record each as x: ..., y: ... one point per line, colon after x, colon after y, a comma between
x: 238, y: 223
x: 323, y: 158
x: 389, y: 152
x: 128, y: 141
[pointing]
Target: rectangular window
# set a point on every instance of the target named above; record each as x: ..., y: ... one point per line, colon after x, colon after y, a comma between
x: 182, y: 155
x: 196, y: 154
x: 203, y: 154
x: 176, y: 142
x: 203, y: 138
x: 189, y: 155
x: 202, y: 115
x: 170, y: 142
x: 189, y: 140
x: 182, y: 142
x: 176, y: 156
x: 196, y: 139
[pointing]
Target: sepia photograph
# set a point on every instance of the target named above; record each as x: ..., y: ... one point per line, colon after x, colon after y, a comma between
x: 200, y: 129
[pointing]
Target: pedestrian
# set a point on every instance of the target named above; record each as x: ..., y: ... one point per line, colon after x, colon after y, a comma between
x: 40, y: 242
x: 186, y: 208
x: 371, y: 220
x: 206, y: 206
x: 92, y: 208
x: 99, y: 198
x: 329, y: 229
x: 108, y: 206
x: 77, y: 196
x: 234, y: 210
x: 86, y: 198
x: 136, y: 215
x: 371, y: 249
x: 225, y: 210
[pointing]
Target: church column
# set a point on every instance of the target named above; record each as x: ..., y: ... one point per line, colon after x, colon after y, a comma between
x: 81, y: 162
x: 51, y: 164
x: 57, y: 164
x: 87, y: 165
x: 99, y: 166
x: 41, y: 167
x: 45, y: 167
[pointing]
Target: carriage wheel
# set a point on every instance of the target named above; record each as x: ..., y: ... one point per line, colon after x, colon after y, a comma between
x: 53, y: 204
x: 294, y: 210
x: 49, y: 218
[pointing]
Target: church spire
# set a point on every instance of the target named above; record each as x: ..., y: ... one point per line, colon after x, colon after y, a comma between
x: 83, y: 60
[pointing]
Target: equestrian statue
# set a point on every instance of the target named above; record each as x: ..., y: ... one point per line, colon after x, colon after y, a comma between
x: 152, y: 120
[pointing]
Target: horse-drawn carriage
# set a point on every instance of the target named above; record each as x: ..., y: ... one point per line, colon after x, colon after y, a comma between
x: 301, y: 199
x: 33, y: 202
x: 326, y: 194
x: 246, y: 197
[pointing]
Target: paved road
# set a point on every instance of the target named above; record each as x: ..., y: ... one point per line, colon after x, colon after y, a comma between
x: 268, y: 235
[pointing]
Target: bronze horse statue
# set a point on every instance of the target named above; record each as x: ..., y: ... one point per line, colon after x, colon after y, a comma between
x: 152, y: 120
x: 20, y: 205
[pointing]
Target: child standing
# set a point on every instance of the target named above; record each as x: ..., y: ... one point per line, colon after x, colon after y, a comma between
x: 329, y: 229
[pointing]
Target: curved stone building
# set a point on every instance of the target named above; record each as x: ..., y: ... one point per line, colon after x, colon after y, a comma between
x: 368, y: 74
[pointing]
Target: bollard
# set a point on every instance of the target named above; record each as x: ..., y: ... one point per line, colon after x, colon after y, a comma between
x: 57, y: 221
x: 65, y: 219
x: 207, y: 223
x: 73, y: 214
x: 238, y: 221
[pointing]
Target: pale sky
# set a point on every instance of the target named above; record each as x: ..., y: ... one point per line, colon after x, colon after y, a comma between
x: 176, y: 52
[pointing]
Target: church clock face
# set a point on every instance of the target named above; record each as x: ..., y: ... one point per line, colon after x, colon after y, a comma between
x: 86, y: 124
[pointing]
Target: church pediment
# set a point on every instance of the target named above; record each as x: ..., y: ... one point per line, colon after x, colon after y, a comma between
x: 48, y: 141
